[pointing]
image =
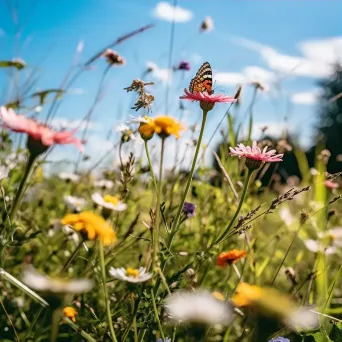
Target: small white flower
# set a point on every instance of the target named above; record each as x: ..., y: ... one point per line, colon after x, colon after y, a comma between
x: 138, y: 119
x: 315, y: 246
x: 109, y: 202
x: 303, y: 319
x: 131, y: 275
x: 72, y: 235
x: 69, y: 177
x: 4, y: 170
x: 13, y: 159
x: 41, y: 282
x: 104, y: 183
x: 74, y: 203
x: 286, y: 216
x: 198, y: 307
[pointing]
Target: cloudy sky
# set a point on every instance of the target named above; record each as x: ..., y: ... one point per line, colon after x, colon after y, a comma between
x: 288, y: 45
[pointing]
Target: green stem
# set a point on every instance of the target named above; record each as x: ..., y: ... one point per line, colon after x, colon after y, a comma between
x: 157, y: 221
x: 157, y: 316
x: 56, y: 315
x: 21, y: 190
x: 242, y: 199
x: 150, y: 166
x: 78, y: 330
x: 192, y: 171
x: 72, y: 257
x: 109, y: 315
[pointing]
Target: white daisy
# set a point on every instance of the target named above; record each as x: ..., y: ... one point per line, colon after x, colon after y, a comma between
x: 104, y: 183
x: 198, y: 307
x: 130, y: 274
x: 316, y: 246
x: 138, y: 119
x: 303, y: 319
x: 69, y: 177
x: 109, y: 202
x: 74, y: 203
x: 41, y: 282
x: 4, y: 170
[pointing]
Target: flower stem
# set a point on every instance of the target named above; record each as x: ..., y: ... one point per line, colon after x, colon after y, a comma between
x: 21, y: 190
x: 72, y: 257
x: 192, y: 171
x: 109, y: 315
x: 56, y: 315
x: 157, y: 221
x: 242, y: 199
x: 157, y: 316
x: 150, y: 166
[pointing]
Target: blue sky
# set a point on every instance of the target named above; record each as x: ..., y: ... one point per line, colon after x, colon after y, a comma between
x: 286, y: 44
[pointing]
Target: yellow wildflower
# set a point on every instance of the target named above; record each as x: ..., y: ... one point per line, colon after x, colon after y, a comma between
x: 218, y: 295
x: 70, y: 312
x: 162, y: 125
x: 94, y: 225
x: 246, y: 294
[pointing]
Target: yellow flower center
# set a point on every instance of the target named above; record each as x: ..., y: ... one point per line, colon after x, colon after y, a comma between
x: 132, y: 272
x: 111, y: 199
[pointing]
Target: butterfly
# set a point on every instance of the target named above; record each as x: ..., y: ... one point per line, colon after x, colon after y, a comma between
x: 203, y: 81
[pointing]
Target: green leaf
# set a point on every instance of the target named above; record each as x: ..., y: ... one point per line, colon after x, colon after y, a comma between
x: 336, y: 332
x: 318, y: 336
x: 232, y: 138
x: 18, y: 64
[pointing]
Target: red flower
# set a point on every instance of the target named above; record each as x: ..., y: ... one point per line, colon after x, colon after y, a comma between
x: 37, y: 131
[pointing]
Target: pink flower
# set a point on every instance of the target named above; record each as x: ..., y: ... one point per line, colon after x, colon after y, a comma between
x: 37, y: 131
x: 254, y: 156
x: 206, y: 97
x: 330, y: 184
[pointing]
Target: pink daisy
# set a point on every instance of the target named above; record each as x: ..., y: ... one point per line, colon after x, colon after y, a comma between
x: 254, y: 156
x: 206, y: 97
x: 37, y: 131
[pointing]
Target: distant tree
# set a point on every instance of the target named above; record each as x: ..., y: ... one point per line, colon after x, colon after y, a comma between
x: 330, y: 118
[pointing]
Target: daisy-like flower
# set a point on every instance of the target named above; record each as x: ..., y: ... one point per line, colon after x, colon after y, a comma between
x: 69, y: 177
x: 74, y: 203
x: 41, y: 282
x: 230, y: 257
x: 92, y: 224
x: 269, y: 302
x: 104, y: 184
x: 109, y: 202
x: 131, y: 275
x: 164, y: 126
x: 218, y: 295
x: 254, y: 156
x: 113, y: 58
x: 4, y: 171
x: 331, y: 184
x: 317, y: 246
x: 42, y: 137
x: 207, y: 101
x: 70, y: 312
x: 197, y: 307
x: 126, y: 133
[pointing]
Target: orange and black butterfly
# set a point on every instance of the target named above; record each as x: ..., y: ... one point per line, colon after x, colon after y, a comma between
x: 203, y: 81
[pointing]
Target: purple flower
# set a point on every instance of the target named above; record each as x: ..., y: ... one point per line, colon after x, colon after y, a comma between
x: 279, y: 339
x: 189, y: 209
x: 166, y: 339
x: 183, y: 65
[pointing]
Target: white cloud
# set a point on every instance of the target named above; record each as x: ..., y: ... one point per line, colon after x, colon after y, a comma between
x: 162, y: 74
x: 327, y: 50
x: 316, y: 60
x: 248, y: 75
x: 305, y: 98
x: 167, y: 12
x: 64, y: 123
x: 229, y: 78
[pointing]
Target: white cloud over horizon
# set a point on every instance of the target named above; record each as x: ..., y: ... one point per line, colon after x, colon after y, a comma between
x: 161, y: 74
x: 316, y: 61
x: 167, y: 12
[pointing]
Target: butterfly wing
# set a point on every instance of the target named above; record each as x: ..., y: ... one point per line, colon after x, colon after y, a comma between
x: 203, y: 81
